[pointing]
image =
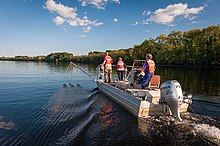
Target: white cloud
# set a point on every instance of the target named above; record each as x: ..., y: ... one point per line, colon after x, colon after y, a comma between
x: 59, y: 20
x: 168, y: 15
x: 115, y: 20
x: 83, y: 36
x: 149, y: 12
x: 206, y: 3
x: 69, y: 15
x: 87, y: 29
x: 146, y: 30
x: 146, y: 12
x: 97, y: 23
x: 64, y: 11
x: 136, y: 23
x: 65, y: 29
x: 192, y: 17
x: 99, y: 4
x: 171, y: 24
x: 195, y: 22
x: 144, y: 22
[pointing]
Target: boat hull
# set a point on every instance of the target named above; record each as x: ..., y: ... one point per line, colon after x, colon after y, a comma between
x: 136, y: 106
x: 125, y: 99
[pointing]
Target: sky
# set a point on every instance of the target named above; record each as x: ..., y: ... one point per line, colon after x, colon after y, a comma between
x: 41, y: 27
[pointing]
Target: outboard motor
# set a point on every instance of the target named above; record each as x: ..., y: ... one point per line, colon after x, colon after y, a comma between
x: 171, y: 93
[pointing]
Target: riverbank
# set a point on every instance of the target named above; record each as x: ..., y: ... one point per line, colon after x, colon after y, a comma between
x: 215, y: 66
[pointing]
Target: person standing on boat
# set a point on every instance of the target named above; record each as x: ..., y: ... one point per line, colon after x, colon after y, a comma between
x: 148, y: 68
x: 120, y: 69
x: 107, y: 63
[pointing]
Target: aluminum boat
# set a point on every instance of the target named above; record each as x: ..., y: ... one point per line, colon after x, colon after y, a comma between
x: 156, y: 100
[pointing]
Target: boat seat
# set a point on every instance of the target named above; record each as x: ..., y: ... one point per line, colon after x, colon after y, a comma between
x: 154, y: 82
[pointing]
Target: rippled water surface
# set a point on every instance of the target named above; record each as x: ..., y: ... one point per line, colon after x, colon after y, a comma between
x: 36, y: 109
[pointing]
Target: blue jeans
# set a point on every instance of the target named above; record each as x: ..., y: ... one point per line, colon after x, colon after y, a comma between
x: 146, y: 79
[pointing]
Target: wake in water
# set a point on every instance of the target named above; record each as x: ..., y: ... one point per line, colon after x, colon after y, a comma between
x: 206, y: 105
x: 193, y: 130
x: 77, y: 116
x: 61, y: 120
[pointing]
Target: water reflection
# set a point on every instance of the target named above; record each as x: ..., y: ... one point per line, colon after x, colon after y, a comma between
x: 6, y: 125
x: 195, y: 80
x: 57, y: 66
x: 104, y: 117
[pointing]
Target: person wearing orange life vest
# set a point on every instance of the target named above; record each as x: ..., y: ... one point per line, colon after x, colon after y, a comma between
x: 148, y: 68
x: 107, y: 63
x: 120, y: 69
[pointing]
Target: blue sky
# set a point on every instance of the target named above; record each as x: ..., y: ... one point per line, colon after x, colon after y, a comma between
x: 40, y: 27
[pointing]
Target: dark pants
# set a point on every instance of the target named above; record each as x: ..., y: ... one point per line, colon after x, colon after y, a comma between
x: 120, y: 74
x: 146, y: 80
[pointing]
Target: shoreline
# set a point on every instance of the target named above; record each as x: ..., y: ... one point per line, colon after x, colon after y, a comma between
x: 158, y: 65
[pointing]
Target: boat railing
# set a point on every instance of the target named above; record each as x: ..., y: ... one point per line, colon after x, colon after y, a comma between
x: 99, y: 72
x: 129, y: 74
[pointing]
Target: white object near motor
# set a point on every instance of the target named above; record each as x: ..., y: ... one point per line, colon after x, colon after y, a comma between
x: 171, y: 93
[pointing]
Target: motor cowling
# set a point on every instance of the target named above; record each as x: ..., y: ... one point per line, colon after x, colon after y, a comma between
x: 172, y: 95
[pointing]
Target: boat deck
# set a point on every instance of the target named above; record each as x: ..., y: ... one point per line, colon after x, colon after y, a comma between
x: 150, y: 95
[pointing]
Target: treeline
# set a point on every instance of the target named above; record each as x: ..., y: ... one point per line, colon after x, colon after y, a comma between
x: 53, y: 57
x: 24, y: 58
x: 193, y: 47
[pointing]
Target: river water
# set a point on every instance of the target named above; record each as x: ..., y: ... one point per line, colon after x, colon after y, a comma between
x: 35, y: 108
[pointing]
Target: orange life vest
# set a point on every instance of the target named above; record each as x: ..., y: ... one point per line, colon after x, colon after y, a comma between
x: 108, y: 60
x: 151, y: 66
x: 120, y: 65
